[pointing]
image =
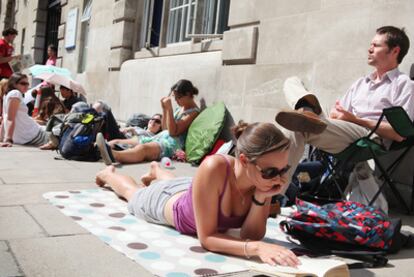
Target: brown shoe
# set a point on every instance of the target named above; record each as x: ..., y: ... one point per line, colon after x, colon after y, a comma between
x: 301, y: 121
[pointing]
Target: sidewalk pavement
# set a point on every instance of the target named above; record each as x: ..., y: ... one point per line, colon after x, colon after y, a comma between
x: 36, y: 239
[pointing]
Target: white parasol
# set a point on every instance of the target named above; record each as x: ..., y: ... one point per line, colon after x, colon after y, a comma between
x: 61, y: 80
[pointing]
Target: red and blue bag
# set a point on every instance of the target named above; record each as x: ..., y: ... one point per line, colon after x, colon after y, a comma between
x: 345, y: 226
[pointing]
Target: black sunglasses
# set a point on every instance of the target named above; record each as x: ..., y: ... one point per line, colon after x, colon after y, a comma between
x: 23, y: 83
x: 272, y: 172
x: 156, y: 120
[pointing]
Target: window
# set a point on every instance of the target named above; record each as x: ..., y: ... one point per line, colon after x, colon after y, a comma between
x: 151, y: 23
x: 85, y: 21
x: 215, y: 16
x: 182, y: 21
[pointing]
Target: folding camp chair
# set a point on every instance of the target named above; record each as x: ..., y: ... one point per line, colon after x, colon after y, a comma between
x: 340, y: 165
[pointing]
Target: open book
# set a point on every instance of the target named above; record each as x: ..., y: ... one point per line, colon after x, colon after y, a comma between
x: 318, y: 267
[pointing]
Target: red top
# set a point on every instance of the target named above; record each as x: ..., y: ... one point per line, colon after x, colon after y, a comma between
x: 6, y: 50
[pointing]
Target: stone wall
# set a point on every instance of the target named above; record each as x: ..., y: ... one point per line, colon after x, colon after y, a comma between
x: 323, y: 41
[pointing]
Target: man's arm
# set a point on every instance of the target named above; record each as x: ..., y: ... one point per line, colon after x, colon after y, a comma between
x: 384, y: 130
x: 6, y: 59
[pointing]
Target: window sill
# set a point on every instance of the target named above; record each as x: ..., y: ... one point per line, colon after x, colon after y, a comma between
x: 181, y: 49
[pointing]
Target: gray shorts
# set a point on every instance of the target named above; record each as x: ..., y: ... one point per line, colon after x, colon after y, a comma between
x: 149, y: 202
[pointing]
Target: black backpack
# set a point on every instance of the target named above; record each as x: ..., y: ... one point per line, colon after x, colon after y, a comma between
x: 138, y: 120
x: 78, y: 134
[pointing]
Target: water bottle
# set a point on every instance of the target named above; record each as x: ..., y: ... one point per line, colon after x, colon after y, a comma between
x: 166, y: 163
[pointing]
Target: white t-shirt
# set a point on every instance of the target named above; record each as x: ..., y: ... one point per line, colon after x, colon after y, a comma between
x: 26, y: 129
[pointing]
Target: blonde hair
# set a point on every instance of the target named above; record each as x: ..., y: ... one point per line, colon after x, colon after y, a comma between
x: 3, y: 87
x: 257, y: 139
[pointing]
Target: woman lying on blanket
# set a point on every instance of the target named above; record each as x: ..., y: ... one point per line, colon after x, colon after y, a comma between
x: 226, y: 192
x: 168, y: 141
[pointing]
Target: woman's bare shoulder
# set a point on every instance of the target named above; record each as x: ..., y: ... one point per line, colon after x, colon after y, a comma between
x: 217, y: 161
x: 211, y: 174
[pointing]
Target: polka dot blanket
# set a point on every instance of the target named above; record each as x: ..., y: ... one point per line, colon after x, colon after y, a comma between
x: 160, y: 249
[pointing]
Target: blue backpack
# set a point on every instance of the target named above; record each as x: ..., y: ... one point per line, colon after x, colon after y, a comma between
x: 78, y: 134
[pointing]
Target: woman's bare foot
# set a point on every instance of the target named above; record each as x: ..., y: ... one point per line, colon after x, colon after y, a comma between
x: 100, y: 178
x: 146, y: 179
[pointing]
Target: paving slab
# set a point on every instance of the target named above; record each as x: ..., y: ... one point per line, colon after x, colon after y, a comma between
x: 82, y: 255
x: 53, y: 222
x: 31, y: 160
x: 8, y: 266
x: 45, y: 175
x: 31, y: 227
x: 22, y: 194
x: 16, y: 223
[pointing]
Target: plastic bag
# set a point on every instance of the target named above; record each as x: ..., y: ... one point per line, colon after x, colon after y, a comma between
x: 363, y: 186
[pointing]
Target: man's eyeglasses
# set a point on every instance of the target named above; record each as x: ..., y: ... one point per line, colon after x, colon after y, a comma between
x: 272, y: 172
x: 24, y: 83
x: 156, y: 120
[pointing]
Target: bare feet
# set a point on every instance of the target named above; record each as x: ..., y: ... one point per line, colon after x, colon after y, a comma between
x: 101, y: 176
x: 48, y: 146
x: 146, y: 179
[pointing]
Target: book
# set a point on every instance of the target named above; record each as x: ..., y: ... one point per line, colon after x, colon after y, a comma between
x: 21, y: 62
x: 317, y: 267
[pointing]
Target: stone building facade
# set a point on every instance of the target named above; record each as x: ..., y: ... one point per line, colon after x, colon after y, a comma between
x: 130, y: 52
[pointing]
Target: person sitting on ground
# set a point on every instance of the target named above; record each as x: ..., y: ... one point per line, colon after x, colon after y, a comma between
x: 357, y: 113
x: 49, y: 105
x: 69, y: 97
x: 168, y: 141
x: 135, y: 134
x: 19, y: 127
x: 226, y: 192
x: 110, y: 126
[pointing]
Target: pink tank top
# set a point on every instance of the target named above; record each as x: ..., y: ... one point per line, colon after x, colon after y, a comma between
x: 184, y: 214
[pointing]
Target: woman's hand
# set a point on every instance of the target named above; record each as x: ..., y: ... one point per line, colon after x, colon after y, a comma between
x: 275, y: 254
x: 166, y: 102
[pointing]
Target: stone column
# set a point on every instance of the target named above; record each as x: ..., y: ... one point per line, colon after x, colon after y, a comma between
x: 124, y: 32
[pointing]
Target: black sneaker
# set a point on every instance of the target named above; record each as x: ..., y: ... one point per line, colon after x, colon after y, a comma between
x: 104, y: 149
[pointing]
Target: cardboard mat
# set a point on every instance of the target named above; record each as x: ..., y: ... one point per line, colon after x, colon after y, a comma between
x: 160, y: 249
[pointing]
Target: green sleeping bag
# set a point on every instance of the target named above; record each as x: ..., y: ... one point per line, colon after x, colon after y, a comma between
x: 204, y: 131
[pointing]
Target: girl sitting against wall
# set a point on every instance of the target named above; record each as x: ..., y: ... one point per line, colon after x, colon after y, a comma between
x: 19, y: 127
x: 175, y: 123
x: 226, y: 192
x: 49, y: 105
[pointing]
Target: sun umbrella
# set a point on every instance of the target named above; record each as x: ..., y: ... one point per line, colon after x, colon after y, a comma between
x: 61, y: 80
x: 39, y: 69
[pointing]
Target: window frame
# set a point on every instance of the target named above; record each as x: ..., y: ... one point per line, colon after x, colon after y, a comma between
x: 193, y: 33
x: 85, y: 29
